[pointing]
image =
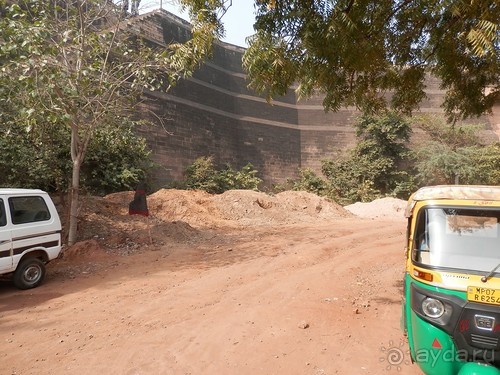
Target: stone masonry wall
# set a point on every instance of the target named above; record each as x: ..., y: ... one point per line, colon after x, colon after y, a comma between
x: 214, y: 114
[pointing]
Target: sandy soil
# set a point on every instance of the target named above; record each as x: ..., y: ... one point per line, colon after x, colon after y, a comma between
x: 241, y: 283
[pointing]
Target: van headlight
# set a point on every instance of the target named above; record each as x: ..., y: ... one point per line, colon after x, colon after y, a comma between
x: 432, y: 307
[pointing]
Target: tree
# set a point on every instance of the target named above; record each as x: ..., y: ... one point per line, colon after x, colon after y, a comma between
x: 33, y: 157
x: 377, y: 165
x: 355, y: 52
x: 454, y: 154
x: 39, y: 157
x: 72, y: 64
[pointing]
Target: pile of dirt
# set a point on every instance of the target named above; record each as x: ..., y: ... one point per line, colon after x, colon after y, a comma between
x: 290, y: 207
x: 380, y: 208
x: 189, y: 216
x: 106, y: 220
x: 190, y: 206
x: 84, y: 249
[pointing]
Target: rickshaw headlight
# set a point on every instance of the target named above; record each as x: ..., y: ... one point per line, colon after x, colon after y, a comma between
x: 432, y: 307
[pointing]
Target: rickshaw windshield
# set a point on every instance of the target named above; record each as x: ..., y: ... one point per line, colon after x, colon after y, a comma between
x: 459, y: 238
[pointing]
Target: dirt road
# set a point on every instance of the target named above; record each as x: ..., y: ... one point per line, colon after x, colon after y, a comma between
x: 314, y: 297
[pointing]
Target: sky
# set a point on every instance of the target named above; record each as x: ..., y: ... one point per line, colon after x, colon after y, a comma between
x: 238, y: 21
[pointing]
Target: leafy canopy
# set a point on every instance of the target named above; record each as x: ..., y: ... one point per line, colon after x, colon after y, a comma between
x: 40, y: 158
x: 356, y: 52
x: 454, y: 154
x: 376, y: 166
x: 78, y: 66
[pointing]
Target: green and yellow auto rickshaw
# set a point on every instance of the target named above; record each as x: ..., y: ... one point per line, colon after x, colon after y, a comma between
x: 451, y: 305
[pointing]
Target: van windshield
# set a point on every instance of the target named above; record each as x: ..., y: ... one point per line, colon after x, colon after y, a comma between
x: 459, y: 238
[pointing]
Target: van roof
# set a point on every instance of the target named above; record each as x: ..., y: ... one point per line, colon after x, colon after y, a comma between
x: 18, y: 191
x: 465, y: 192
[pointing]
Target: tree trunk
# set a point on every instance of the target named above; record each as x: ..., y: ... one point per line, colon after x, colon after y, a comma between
x: 77, y: 152
x: 73, y: 211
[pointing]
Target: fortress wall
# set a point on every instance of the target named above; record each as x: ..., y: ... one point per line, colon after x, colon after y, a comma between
x: 191, y: 131
x: 213, y: 113
x: 324, y: 144
x: 223, y: 99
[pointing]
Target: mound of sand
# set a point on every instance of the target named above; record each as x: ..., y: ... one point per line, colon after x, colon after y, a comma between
x: 190, y: 206
x: 257, y: 208
x: 380, y: 208
x: 187, y: 215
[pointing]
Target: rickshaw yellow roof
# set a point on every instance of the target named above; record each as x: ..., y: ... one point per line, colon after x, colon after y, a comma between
x: 468, y: 192
x: 490, y: 193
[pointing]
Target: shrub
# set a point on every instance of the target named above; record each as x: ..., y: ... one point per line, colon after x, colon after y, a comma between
x: 309, y: 181
x: 40, y: 157
x: 203, y: 175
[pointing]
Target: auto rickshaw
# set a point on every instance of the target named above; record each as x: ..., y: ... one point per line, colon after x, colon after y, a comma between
x: 451, y: 303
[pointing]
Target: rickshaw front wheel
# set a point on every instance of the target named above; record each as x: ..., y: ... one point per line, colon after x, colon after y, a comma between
x: 475, y: 368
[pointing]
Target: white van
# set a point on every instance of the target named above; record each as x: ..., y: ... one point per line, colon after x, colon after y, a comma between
x: 30, y: 235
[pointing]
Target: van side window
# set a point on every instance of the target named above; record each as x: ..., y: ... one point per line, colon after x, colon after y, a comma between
x: 3, y: 219
x: 28, y: 209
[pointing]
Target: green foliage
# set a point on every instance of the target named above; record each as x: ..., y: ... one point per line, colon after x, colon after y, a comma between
x: 356, y: 51
x: 451, y: 135
x: 439, y: 163
x: 351, y: 178
x: 245, y: 178
x: 33, y: 159
x: 206, y: 29
x: 383, y: 135
x: 309, y: 181
x: 117, y: 159
x: 39, y: 158
x: 381, y: 164
x: 487, y: 163
x: 203, y: 175
x: 453, y: 153
x: 377, y: 166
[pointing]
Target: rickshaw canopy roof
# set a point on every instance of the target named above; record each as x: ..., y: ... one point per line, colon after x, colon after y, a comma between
x: 466, y: 192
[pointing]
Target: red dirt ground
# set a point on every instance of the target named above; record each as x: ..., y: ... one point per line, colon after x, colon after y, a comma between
x: 241, y: 283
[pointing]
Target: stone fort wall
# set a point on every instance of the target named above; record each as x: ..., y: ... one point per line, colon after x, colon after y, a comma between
x: 214, y: 114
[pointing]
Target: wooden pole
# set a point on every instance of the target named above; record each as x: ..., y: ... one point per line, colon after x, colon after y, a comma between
x: 149, y: 231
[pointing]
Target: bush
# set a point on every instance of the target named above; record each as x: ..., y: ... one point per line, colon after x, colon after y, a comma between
x: 116, y: 160
x: 437, y: 163
x: 310, y: 182
x: 381, y: 164
x: 39, y: 157
x: 377, y: 166
x: 34, y: 158
x: 454, y: 154
x: 203, y: 175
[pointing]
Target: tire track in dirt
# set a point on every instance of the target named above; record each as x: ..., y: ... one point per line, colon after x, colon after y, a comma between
x: 234, y: 302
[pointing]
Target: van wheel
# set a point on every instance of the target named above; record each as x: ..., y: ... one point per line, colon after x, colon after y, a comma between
x: 29, y: 273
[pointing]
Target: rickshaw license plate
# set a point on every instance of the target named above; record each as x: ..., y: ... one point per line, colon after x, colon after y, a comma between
x: 483, y: 295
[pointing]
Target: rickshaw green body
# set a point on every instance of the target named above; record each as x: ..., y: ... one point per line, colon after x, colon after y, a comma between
x: 442, y: 345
